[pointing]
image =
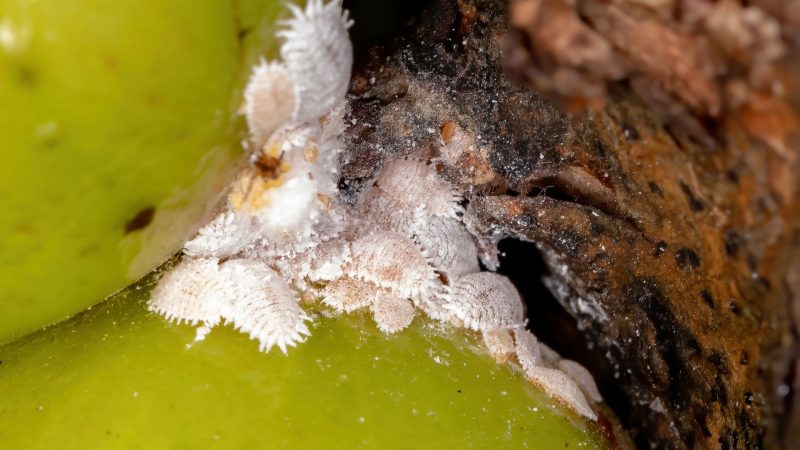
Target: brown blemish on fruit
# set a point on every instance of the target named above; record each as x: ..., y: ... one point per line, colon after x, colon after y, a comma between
x: 141, y: 220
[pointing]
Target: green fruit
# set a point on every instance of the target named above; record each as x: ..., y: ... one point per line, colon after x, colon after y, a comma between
x: 118, y: 376
x: 112, y: 113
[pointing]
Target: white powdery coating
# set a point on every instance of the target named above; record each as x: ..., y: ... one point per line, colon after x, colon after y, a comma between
x: 319, y: 55
x: 325, y: 262
x: 269, y: 100
x: 291, y: 209
x: 560, y: 386
x: 295, y: 113
x: 224, y: 236
x: 299, y: 256
x: 414, y: 183
x: 287, y: 211
x: 392, y: 313
x: 191, y: 292
x: 486, y: 301
x: 582, y: 377
x: 448, y: 245
x: 264, y: 305
x: 392, y: 261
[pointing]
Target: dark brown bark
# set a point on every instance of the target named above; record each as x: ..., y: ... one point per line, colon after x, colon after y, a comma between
x: 671, y: 255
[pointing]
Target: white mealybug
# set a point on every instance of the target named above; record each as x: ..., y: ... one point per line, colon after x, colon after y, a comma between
x: 284, y: 233
x: 392, y: 313
x: 414, y: 183
x: 528, y: 349
x: 377, y: 206
x: 192, y: 292
x: 582, y: 377
x: 319, y: 56
x: 486, y: 301
x: 560, y: 386
x: 293, y: 109
x: 391, y: 261
x: 226, y: 235
x: 264, y: 306
x: 449, y: 245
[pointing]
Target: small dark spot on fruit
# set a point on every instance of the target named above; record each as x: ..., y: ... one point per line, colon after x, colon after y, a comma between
x: 27, y: 76
x: 694, y: 203
x: 661, y: 247
x: 50, y: 142
x: 243, y: 32
x: 687, y: 258
x: 90, y: 248
x: 733, y: 176
x: 110, y: 62
x: 707, y: 298
x: 153, y: 99
x: 141, y: 220
x: 655, y: 188
x: 459, y: 391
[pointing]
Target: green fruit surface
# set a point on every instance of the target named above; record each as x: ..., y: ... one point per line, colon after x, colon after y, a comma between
x: 109, y: 109
x: 119, y: 377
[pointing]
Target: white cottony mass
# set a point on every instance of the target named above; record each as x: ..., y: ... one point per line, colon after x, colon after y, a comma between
x: 284, y: 233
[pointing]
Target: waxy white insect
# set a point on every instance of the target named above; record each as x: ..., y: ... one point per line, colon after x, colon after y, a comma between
x: 319, y: 56
x: 283, y: 232
x: 293, y: 109
x: 486, y: 301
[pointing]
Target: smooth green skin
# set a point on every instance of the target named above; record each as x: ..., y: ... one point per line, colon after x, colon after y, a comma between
x: 110, y: 107
x: 119, y: 377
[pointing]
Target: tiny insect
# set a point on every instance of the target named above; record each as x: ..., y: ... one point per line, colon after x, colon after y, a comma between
x: 267, y: 165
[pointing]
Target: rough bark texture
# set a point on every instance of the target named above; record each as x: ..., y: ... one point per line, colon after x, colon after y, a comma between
x: 671, y: 256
